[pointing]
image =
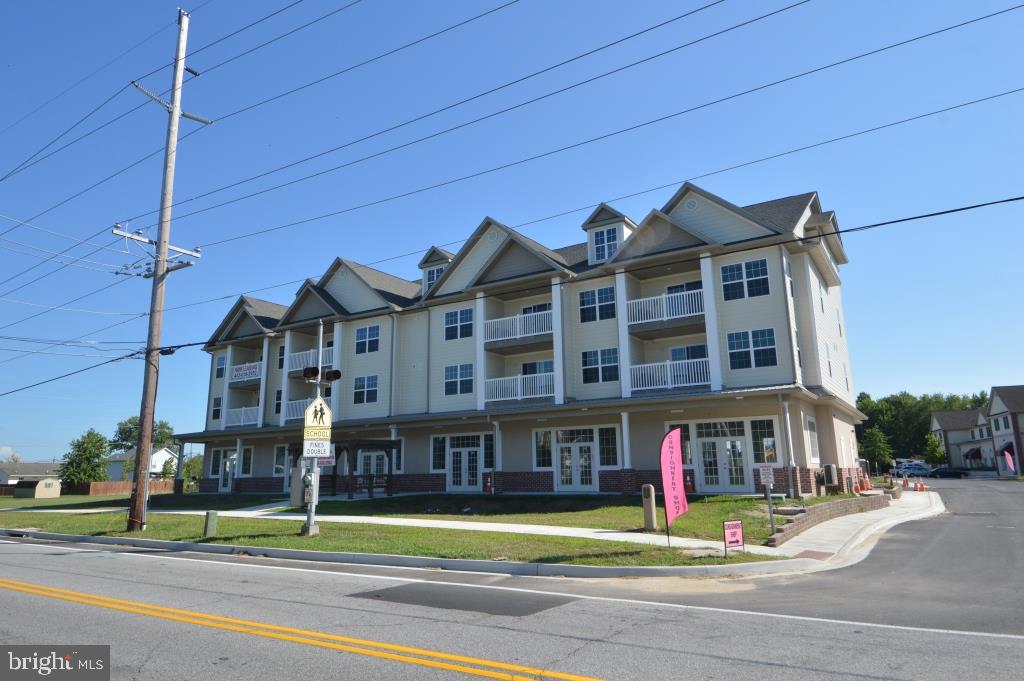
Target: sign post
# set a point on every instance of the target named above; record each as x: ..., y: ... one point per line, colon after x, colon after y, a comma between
x: 316, y: 442
x: 672, y: 483
x: 767, y: 473
x: 733, y: 531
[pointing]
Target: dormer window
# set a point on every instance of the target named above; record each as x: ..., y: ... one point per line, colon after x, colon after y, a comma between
x: 432, y: 275
x: 606, y: 242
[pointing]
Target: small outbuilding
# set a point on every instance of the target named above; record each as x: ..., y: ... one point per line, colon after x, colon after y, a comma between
x: 42, y: 488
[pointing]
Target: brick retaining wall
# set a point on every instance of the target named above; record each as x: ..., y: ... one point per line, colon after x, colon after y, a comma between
x: 826, y: 511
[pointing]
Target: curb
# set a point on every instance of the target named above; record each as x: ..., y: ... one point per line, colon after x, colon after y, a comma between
x: 860, y: 545
x: 452, y: 564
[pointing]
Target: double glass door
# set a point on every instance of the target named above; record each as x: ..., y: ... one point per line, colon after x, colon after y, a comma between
x: 464, y: 469
x: 576, y: 467
x: 723, y: 466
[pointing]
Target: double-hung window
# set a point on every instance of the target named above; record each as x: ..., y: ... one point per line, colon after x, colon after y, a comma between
x: 762, y: 433
x: 601, y: 366
x: 433, y: 274
x: 280, y: 357
x: 537, y: 307
x: 219, y: 371
x: 367, y: 339
x: 215, y: 463
x: 438, y: 453
x: 365, y: 390
x: 489, y: 451
x: 689, y: 352
x: 745, y: 280
x: 458, y: 324
x: 752, y: 349
x: 683, y: 288
x: 606, y: 242
x: 541, y: 366
x: 245, y: 465
x: 542, y: 449
x: 215, y: 412
x: 280, y: 460
x: 458, y: 379
x: 277, y: 401
x: 812, y: 439
x: 608, y: 447
x: 597, y: 304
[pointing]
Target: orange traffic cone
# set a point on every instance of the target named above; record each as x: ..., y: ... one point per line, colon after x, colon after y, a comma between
x: 906, y: 483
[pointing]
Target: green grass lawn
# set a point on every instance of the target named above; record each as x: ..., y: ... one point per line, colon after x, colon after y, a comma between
x: 159, y: 502
x: 376, y: 539
x: 704, y: 520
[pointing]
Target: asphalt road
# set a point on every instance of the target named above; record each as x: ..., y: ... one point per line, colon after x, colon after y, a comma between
x: 936, y: 599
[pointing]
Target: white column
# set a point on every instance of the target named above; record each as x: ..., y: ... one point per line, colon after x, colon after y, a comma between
x: 556, y: 339
x: 393, y: 434
x: 237, y: 468
x: 225, y: 394
x: 497, y: 448
x: 263, y: 381
x: 711, y: 321
x: 787, y: 443
x: 284, y: 377
x: 621, y: 312
x: 627, y: 453
x: 480, y: 372
x: 336, y: 385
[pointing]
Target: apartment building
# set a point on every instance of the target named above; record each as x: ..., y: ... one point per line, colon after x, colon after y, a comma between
x: 517, y: 367
x: 986, y: 439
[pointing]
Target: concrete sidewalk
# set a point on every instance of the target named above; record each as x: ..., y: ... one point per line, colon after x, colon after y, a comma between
x: 833, y: 538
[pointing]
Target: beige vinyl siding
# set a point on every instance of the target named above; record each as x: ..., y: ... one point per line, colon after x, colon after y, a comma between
x: 830, y: 344
x: 517, y: 445
x: 657, y: 287
x: 515, y: 261
x: 711, y: 220
x: 579, y: 337
x: 660, y: 350
x: 512, y: 365
x: 367, y: 364
x: 803, y: 304
x: 216, y: 389
x: 274, y: 378
x: 828, y: 438
x: 411, y: 364
x: 748, y: 314
x: 448, y: 352
x: 352, y: 292
x: 310, y: 308
x: 845, y: 440
x: 468, y: 268
x: 513, y: 307
x: 416, y: 449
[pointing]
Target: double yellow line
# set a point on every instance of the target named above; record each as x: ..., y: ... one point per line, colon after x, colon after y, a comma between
x: 462, y: 664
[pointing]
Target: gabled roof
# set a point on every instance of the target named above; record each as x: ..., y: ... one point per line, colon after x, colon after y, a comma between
x: 311, y: 288
x: 742, y: 212
x: 265, y: 314
x: 30, y: 470
x: 436, y: 255
x: 576, y: 257
x: 784, y: 213
x: 554, y: 258
x: 964, y: 419
x: 639, y: 235
x: 1011, y: 395
x: 395, y: 290
x: 603, y: 215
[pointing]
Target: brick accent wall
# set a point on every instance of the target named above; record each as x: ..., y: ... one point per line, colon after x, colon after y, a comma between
x: 420, y: 482
x: 208, y: 484
x: 259, y: 485
x: 524, y: 481
x: 826, y: 511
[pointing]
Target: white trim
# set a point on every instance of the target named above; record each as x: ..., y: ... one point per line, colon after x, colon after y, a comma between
x: 624, y: 444
x: 263, y: 382
x: 284, y: 377
x: 225, y: 395
x: 553, y: 468
x: 273, y: 462
x: 808, y: 420
x: 556, y: 330
x: 714, y: 342
x: 744, y: 280
x: 622, y: 322
x: 478, y: 340
x: 339, y: 360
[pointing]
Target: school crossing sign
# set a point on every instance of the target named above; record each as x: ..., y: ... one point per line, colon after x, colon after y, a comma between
x: 316, y: 431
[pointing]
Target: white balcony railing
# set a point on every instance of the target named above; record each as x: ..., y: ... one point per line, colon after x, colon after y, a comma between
x: 250, y: 371
x: 520, y: 387
x: 667, y: 306
x: 297, y: 361
x: 679, y: 374
x: 296, y: 409
x: 243, y: 416
x: 518, y: 326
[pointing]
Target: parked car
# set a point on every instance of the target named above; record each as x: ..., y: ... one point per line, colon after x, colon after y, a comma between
x: 947, y: 472
x: 911, y: 470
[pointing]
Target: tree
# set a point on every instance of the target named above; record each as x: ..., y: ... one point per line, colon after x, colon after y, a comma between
x: 874, y: 446
x: 169, y: 469
x: 906, y: 419
x: 127, y: 435
x: 192, y: 471
x: 13, y: 457
x: 86, y: 462
x: 933, y: 454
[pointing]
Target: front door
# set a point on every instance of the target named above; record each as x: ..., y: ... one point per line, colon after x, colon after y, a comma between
x: 576, y: 467
x: 227, y: 470
x: 723, y: 466
x: 289, y: 461
x: 464, y: 470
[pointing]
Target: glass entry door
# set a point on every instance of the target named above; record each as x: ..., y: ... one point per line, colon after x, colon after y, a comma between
x: 723, y: 467
x: 576, y: 467
x: 464, y: 470
x: 227, y: 470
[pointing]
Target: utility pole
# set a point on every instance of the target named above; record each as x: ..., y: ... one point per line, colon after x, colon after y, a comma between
x: 137, y: 505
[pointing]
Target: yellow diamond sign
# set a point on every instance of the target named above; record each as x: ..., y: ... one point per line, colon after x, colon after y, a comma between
x: 316, y: 431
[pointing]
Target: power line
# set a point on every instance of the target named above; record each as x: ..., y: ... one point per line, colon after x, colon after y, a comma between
x: 71, y: 341
x: 53, y: 232
x: 105, y: 287
x: 598, y: 138
x: 448, y: 107
x: 70, y: 373
x: 68, y: 309
x: 54, y: 354
x: 648, y: 190
x: 90, y: 265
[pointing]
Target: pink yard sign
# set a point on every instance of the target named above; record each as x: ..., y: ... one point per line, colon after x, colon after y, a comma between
x: 733, y: 530
x: 672, y: 475
x: 1009, y: 460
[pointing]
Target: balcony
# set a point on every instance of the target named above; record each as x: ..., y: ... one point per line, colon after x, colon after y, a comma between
x: 245, y: 374
x: 666, y: 315
x: 296, y: 409
x: 518, y: 333
x: 519, y: 387
x: 670, y: 375
x: 297, y: 361
x: 243, y: 416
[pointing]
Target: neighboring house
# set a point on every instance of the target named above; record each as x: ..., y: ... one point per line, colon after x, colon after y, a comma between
x: 12, y: 473
x: 982, y: 438
x: 965, y: 438
x: 117, y: 462
x: 560, y: 370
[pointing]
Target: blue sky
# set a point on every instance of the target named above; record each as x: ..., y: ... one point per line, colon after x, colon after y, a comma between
x: 930, y: 306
